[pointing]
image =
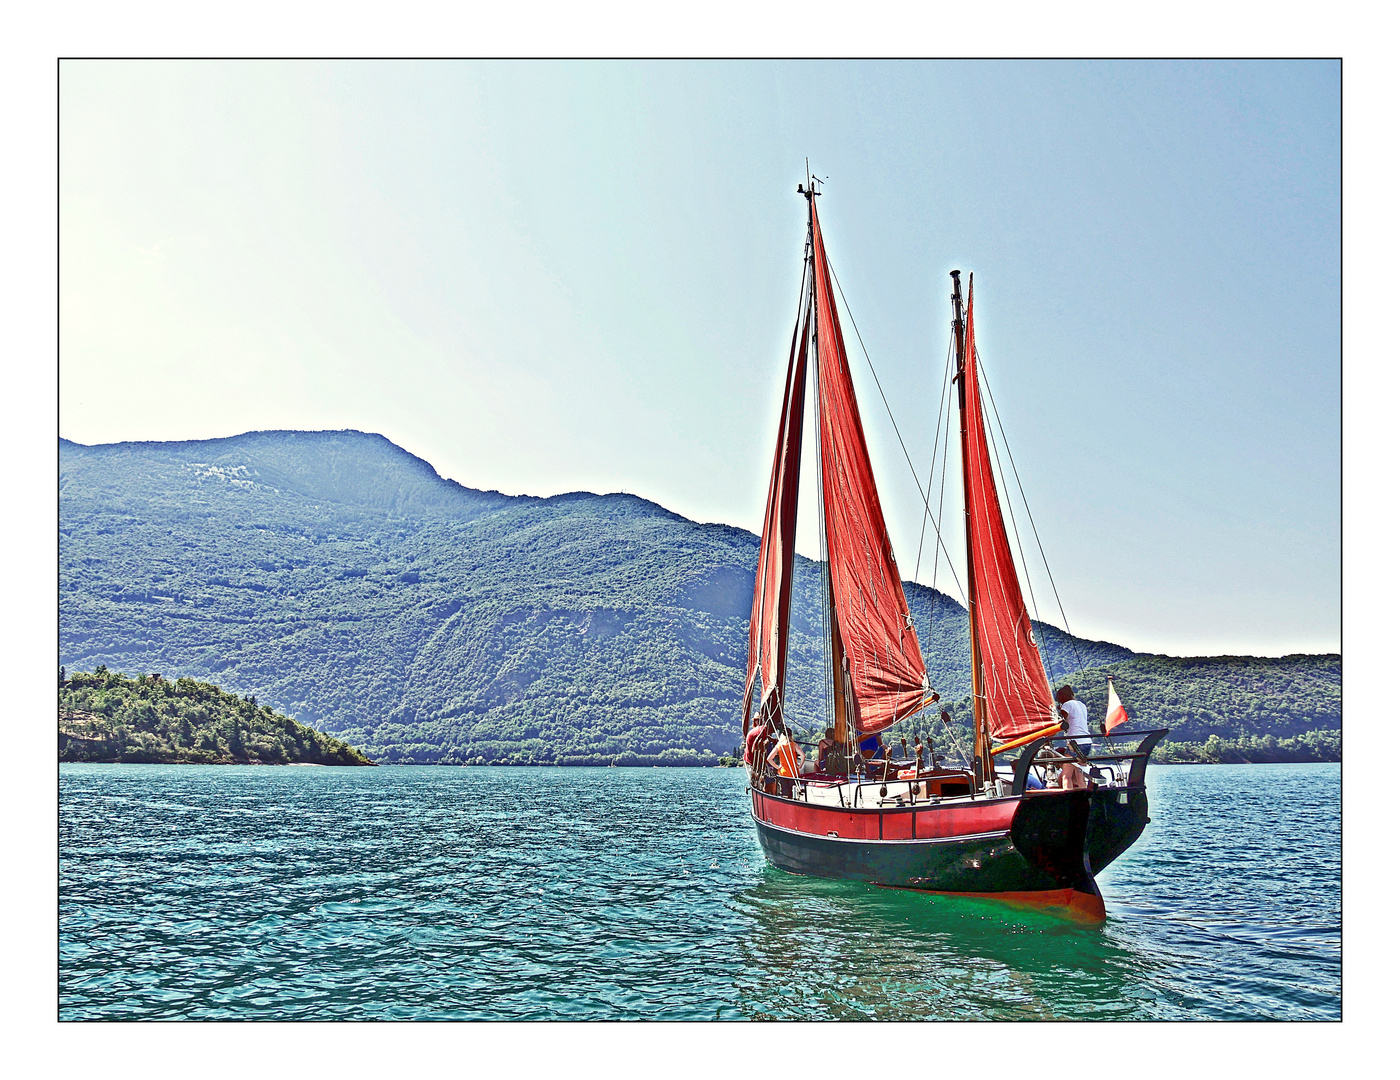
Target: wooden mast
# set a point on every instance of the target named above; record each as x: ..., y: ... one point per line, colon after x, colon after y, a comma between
x: 982, y: 765
x: 838, y: 680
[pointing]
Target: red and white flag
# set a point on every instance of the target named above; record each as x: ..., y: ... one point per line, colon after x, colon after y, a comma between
x: 1116, y: 713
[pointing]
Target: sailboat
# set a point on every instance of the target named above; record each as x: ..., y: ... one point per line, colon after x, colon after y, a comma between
x: 1034, y: 828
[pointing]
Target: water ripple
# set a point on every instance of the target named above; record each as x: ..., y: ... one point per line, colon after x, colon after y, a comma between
x: 484, y: 893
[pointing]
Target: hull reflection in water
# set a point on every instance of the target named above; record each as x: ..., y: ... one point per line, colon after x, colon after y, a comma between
x: 844, y: 950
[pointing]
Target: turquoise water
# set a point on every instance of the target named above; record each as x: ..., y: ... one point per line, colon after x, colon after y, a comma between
x: 214, y: 892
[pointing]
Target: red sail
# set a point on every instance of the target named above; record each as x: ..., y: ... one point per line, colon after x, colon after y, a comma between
x: 886, y: 669
x: 1015, y: 691
x: 772, y: 587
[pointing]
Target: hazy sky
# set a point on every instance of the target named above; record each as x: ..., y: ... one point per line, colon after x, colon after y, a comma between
x: 550, y: 277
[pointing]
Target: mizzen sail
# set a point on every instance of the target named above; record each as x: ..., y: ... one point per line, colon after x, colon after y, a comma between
x: 1015, y: 692
x: 880, y: 651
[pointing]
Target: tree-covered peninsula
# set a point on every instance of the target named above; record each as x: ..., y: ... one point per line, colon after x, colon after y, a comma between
x: 107, y: 717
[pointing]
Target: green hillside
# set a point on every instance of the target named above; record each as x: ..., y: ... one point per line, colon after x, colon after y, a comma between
x: 1253, y: 708
x: 340, y: 579
x: 107, y: 717
x: 1229, y: 696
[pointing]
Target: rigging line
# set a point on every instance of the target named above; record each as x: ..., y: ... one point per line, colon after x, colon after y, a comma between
x: 933, y: 460
x: 1015, y: 529
x: 912, y: 471
x: 942, y: 485
x: 943, y: 476
x: 944, y: 409
x: 1036, y: 532
x: 953, y: 734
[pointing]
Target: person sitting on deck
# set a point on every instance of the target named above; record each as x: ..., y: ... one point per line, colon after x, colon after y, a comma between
x: 1071, y: 774
x: 824, y: 749
x: 787, y: 757
x: 876, y: 754
x: 838, y: 758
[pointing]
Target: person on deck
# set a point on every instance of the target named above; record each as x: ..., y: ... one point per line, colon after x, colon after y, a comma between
x: 1071, y: 772
x: 876, y: 755
x: 918, y: 753
x: 824, y: 749
x: 788, y: 758
x: 752, y: 742
x: 1074, y: 717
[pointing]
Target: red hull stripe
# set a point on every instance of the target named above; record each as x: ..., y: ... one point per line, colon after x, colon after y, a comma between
x: 937, y: 822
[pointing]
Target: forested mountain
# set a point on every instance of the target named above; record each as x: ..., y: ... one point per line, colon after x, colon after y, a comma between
x: 341, y: 580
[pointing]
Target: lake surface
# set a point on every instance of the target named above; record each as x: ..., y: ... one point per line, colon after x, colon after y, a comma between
x: 211, y: 892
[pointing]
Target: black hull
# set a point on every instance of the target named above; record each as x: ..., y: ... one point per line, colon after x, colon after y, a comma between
x: 1040, y: 859
x: 1114, y: 825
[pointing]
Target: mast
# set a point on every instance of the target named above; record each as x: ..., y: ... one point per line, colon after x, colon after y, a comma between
x: 839, y: 695
x: 770, y: 615
x: 982, y: 764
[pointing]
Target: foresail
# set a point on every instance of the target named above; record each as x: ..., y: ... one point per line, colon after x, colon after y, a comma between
x: 1014, y: 687
x: 881, y: 650
x: 772, y: 590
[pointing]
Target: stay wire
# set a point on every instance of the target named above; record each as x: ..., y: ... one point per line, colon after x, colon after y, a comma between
x: 932, y: 461
x: 1015, y: 530
x: 943, y: 402
x: 943, y: 479
x: 1074, y: 644
x: 942, y: 487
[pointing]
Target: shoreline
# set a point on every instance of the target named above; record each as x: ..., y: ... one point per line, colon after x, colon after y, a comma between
x: 566, y: 765
x: 266, y: 764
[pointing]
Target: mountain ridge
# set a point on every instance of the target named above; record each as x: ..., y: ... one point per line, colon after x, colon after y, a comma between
x: 342, y: 579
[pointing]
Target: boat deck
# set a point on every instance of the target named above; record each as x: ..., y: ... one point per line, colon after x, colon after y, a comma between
x: 939, y: 786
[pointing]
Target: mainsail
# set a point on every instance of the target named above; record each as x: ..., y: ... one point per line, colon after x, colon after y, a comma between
x: 1016, y: 698
x: 882, y: 669
x: 772, y: 587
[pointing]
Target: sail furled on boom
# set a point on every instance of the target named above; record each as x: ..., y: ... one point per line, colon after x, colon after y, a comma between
x: 772, y: 588
x: 880, y: 651
x: 1015, y: 691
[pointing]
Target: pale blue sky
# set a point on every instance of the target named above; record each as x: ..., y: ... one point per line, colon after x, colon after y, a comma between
x: 547, y: 277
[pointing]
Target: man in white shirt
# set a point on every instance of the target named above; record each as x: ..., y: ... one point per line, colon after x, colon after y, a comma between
x: 1075, y: 717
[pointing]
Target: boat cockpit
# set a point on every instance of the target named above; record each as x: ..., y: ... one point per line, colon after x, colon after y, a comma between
x: 1117, y: 760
